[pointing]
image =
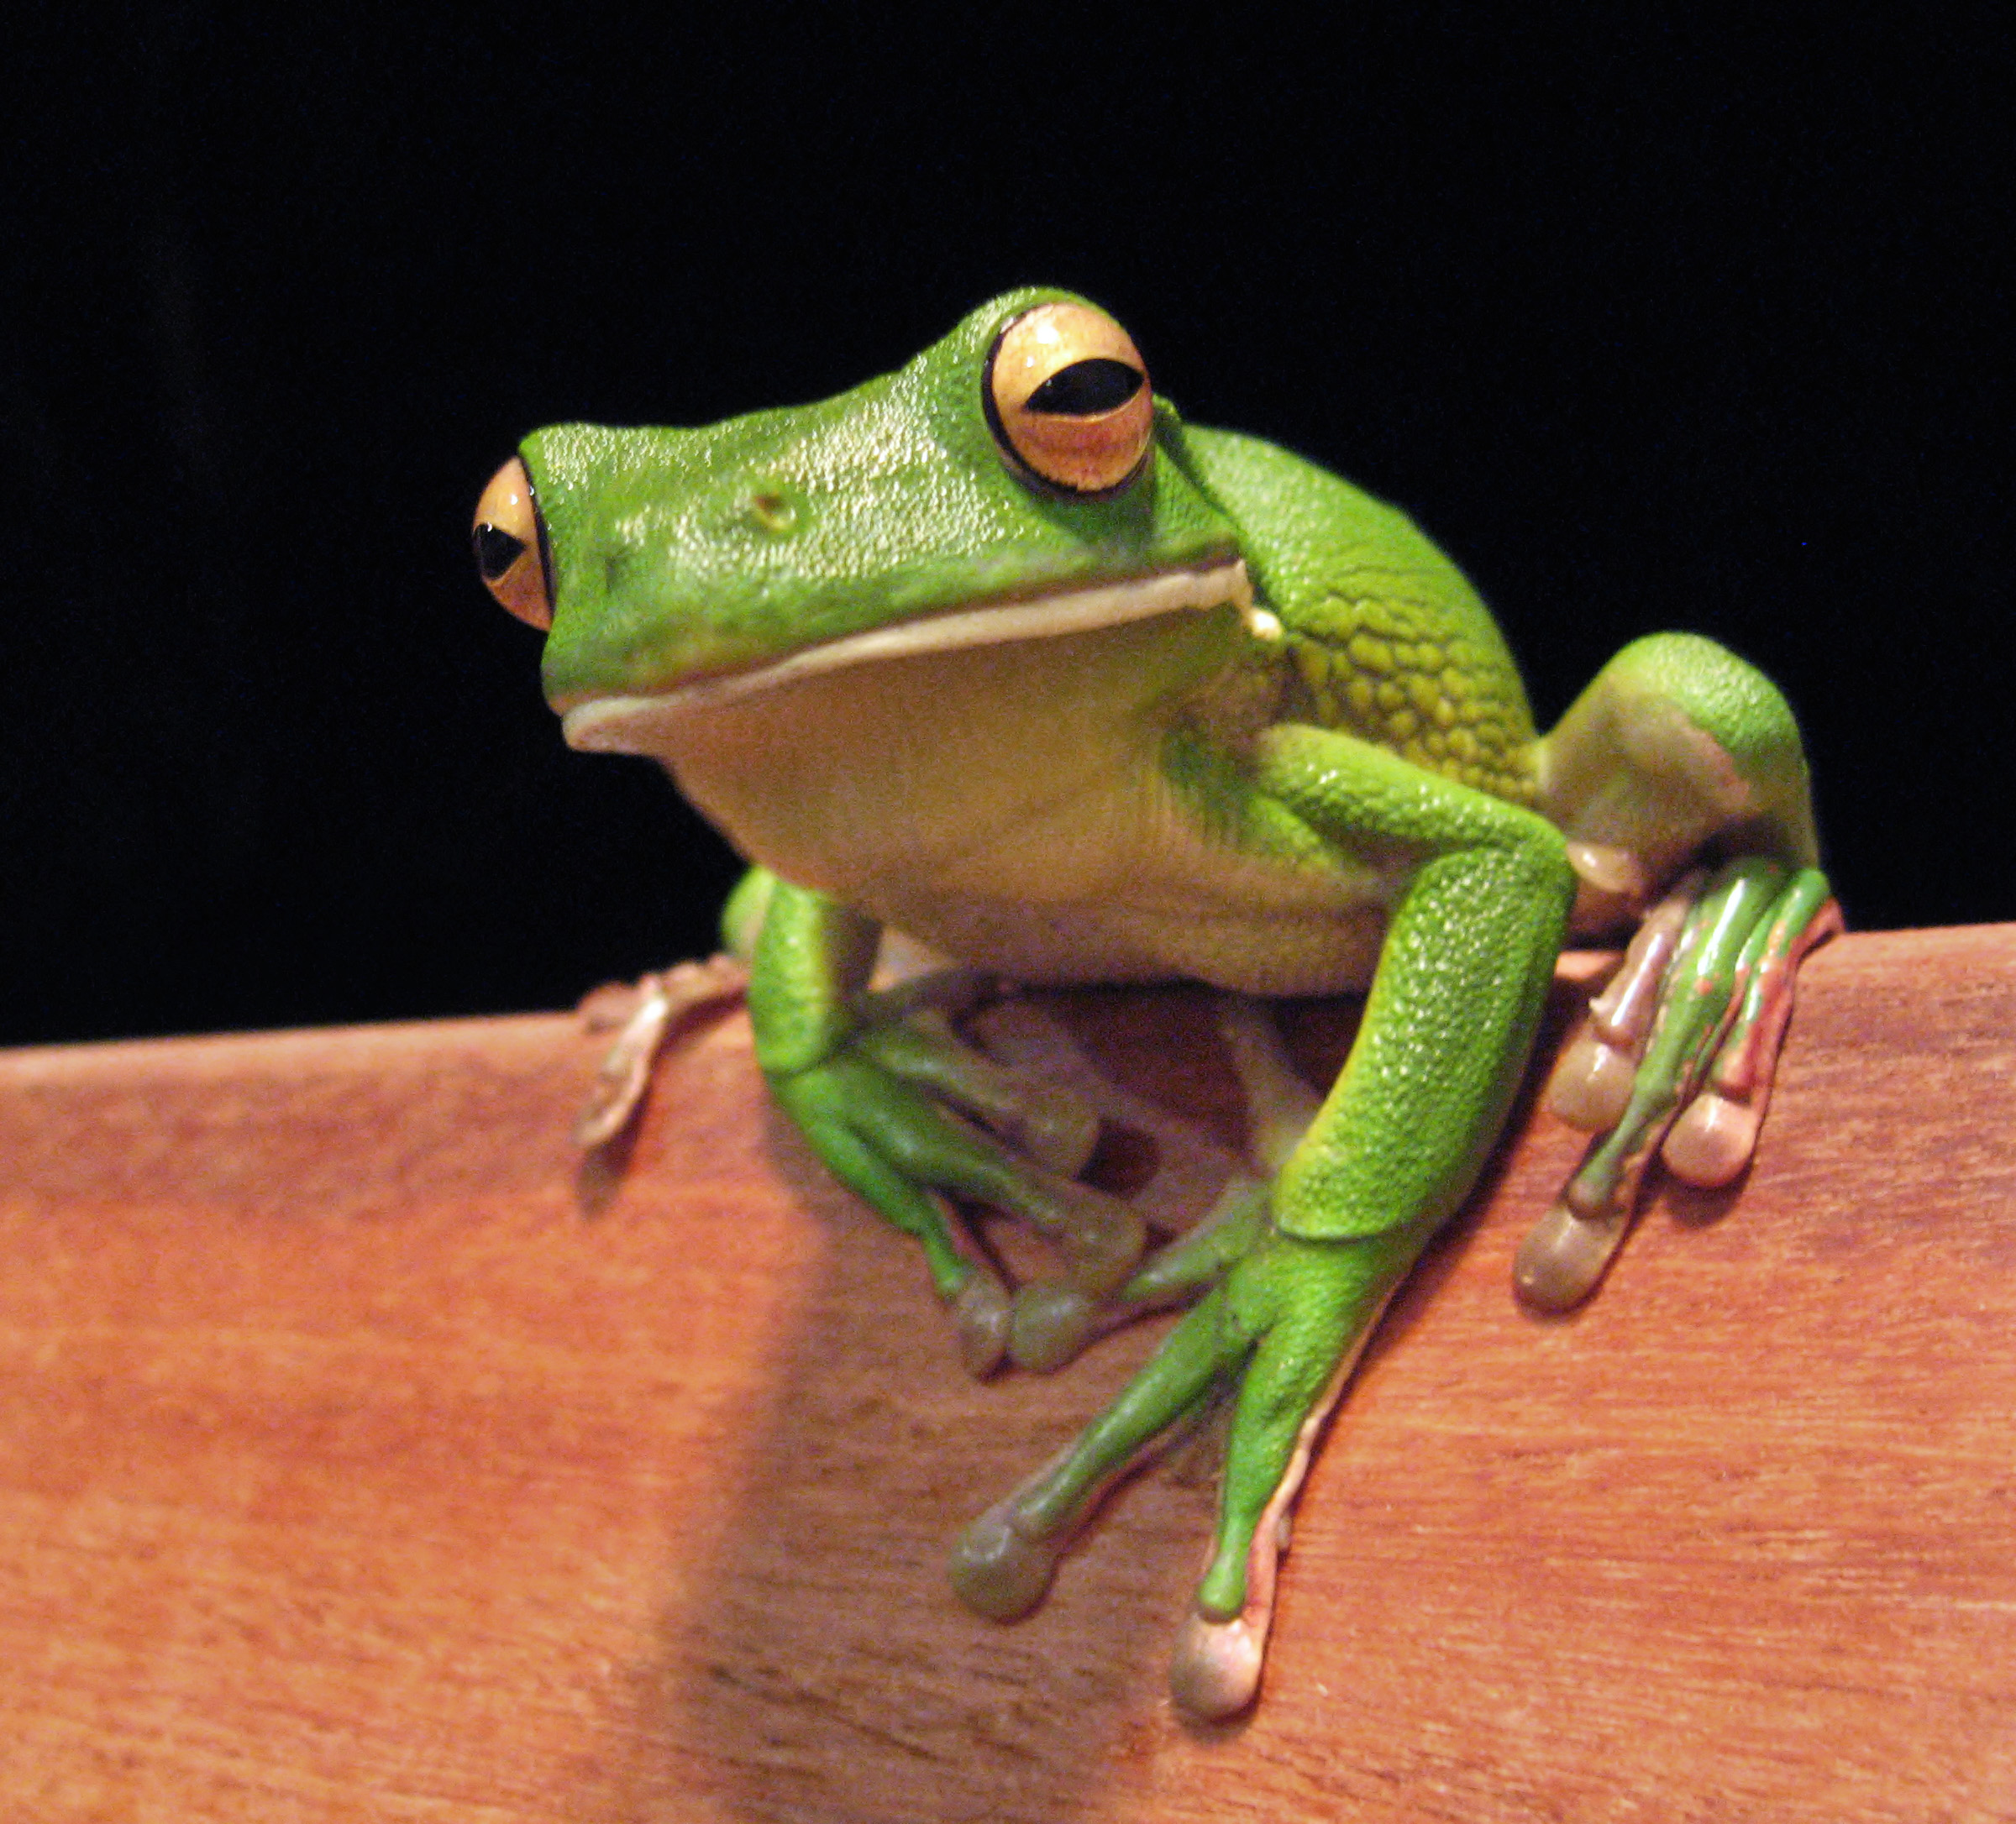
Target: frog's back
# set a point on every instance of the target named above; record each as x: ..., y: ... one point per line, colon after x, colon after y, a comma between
x: 1388, y: 640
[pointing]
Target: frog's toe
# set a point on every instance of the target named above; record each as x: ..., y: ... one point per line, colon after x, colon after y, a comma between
x: 952, y: 1118
x: 1051, y: 1322
x: 1215, y: 1672
x: 1713, y: 1140
x: 918, y: 1160
x: 1056, y: 1128
x: 983, y: 1318
x: 1056, y: 1318
x: 644, y: 1014
x: 1101, y: 1238
x: 1045, y: 1122
x: 998, y: 1570
x: 1564, y: 1254
x: 1716, y: 1134
x: 1591, y: 1086
x: 1325, y: 1303
x: 1003, y: 1562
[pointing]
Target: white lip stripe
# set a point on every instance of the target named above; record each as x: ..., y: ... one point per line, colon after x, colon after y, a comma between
x: 1073, y: 610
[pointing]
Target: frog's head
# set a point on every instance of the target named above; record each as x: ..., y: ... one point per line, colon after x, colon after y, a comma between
x: 1017, y: 479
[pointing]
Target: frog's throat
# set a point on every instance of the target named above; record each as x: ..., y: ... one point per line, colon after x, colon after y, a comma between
x: 613, y: 724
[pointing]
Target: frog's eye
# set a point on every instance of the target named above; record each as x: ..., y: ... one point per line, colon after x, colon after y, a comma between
x: 510, y: 551
x: 1067, y: 396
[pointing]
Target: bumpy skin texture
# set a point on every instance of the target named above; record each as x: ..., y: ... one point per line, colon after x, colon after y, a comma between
x: 1388, y: 640
x: 1277, y: 744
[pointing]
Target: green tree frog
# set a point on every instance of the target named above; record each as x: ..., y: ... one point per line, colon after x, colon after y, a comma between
x: 998, y: 653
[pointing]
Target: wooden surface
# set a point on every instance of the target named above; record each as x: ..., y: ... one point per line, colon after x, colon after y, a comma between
x: 361, y: 1457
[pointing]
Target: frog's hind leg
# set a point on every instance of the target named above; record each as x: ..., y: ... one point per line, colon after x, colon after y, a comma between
x: 1678, y: 752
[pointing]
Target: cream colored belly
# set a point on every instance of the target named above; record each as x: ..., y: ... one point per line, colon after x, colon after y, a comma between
x: 1088, y: 872
x: 1007, y: 806
x: 1115, y: 942
x: 1173, y: 905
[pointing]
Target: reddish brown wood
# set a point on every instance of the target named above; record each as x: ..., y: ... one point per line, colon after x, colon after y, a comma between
x: 362, y: 1457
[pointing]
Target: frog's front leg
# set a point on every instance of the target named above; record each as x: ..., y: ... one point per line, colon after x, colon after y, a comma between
x: 1393, y: 1152
x: 1679, y: 752
x: 881, y: 1097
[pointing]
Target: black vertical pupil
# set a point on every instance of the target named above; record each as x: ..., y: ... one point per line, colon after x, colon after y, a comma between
x: 1096, y: 384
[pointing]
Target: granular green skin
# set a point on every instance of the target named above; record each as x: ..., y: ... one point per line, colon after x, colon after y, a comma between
x: 1386, y: 639
x: 1399, y: 679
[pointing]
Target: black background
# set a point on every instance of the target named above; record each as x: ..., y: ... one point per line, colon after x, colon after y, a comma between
x: 1697, y: 325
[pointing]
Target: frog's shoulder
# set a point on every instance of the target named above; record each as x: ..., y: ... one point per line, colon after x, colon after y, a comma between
x: 1388, y: 639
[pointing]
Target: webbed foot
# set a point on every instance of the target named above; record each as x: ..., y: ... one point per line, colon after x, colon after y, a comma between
x: 1281, y: 1335
x: 913, y: 1117
x: 1678, y: 1056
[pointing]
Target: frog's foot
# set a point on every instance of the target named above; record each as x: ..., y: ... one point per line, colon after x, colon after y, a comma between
x: 1002, y: 1563
x: 1677, y: 1055
x: 1284, y: 1328
x: 1054, y: 1320
x: 645, y: 1015
x: 910, y: 1033
x: 1035, y: 1090
x: 911, y: 1117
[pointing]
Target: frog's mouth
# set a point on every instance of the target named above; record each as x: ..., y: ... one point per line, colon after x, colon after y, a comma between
x: 625, y: 723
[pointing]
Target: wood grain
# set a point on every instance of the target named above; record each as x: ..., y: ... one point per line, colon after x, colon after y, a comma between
x: 361, y: 1456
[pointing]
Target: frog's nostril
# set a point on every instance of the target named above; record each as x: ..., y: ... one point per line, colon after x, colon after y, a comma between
x: 773, y: 510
